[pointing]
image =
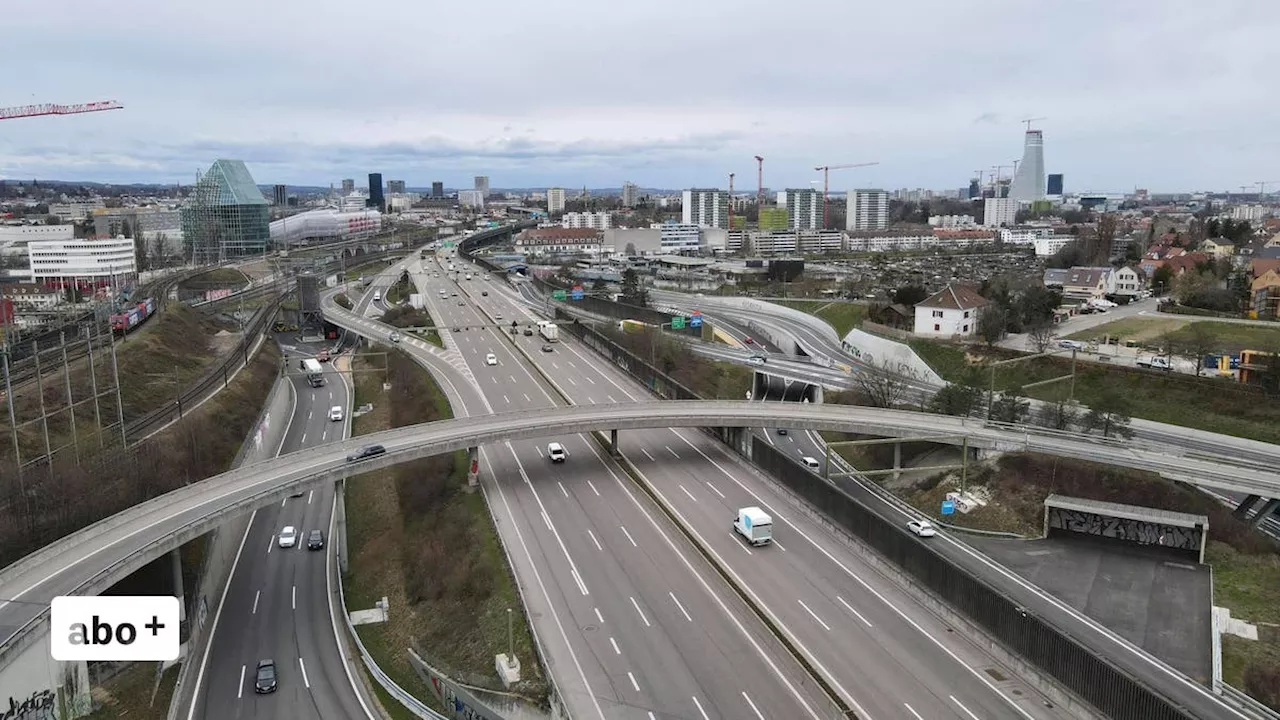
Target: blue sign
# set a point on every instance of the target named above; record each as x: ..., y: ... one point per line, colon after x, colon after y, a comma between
x: 948, y: 507
x: 695, y: 320
x: 576, y: 294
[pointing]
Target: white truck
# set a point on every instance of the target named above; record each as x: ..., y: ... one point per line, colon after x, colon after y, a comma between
x: 753, y: 524
x: 1155, y: 362
x: 549, y: 331
x: 314, y: 371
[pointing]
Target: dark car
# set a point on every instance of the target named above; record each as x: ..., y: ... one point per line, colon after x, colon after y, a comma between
x: 528, y: 332
x: 365, y: 452
x: 315, y: 540
x: 782, y: 431
x: 266, y: 680
x: 484, y: 293
x: 547, y: 348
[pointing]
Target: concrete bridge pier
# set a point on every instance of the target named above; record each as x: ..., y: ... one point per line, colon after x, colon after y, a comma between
x: 613, y: 444
x: 1242, y: 510
x: 897, y: 460
x: 1267, y: 509
x: 339, y: 539
x: 184, y: 628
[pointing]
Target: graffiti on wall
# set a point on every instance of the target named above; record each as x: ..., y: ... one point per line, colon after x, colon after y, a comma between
x: 1135, y: 531
x: 39, y: 705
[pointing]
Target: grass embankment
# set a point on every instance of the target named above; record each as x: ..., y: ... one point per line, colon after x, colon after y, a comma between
x: 710, y: 380
x: 226, y: 277
x: 1212, y: 404
x: 342, y: 300
x: 843, y: 316
x: 418, y: 538
x: 406, y: 317
x: 127, y: 696
x: 1227, y: 337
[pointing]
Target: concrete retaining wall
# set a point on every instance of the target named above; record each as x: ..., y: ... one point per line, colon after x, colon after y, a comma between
x: 890, y: 355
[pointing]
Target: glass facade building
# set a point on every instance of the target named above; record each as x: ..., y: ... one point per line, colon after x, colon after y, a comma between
x: 226, y: 215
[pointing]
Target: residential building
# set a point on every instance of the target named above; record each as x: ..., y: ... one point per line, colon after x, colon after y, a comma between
x: 555, y: 201
x: 1082, y: 284
x: 999, y: 212
x: 560, y: 240
x: 1028, y: 182
x: 804, y: 207
x: 395, y: 187
x: 1250, y: 213
x: 83, y: 263
x: 1264, y: 294
x: 953, y: 311
x: 1126, y: 281
x: 75, y: 210
x: 706, y: 208
x: 348, y: 186
x: 678, y: 238
x: 1218, y: 248
x: 437, y: 189
x: 786, y: 242
x: 482, y: 185
x: 30, y: 296
x: 473, y: 199
x: 630, y: 194
x: 1050, y: 245
x: 146, y: 224
x: 950, y: 221
x: 771, y: 219
x: 901, y: 242
x: 593, y: 220
x: 225, y: 216
x: 376, y: 198
x: 868, y: 209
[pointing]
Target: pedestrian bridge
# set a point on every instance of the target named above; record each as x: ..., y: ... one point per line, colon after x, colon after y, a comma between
x: 95, y: 558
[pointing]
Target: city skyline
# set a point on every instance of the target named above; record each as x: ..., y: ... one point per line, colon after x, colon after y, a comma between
x: 1116, y: 116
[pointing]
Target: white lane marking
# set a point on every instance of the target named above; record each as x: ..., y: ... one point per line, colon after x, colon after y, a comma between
x: 256, y: 593
x: 611, y: 398
x: 636, y: 685
x: 633, y: 542
x: 506, y: 399
x: 744, y: 547
x: 303, y: 666
x: 598, y: 615
x: 571, y: 382
x: 756, y: 710
x: 546, y: 520
x: 593, y: 382
x: 775, y: 542
x: 282, y: 501
x: 714, y: 490
x: 855, y: 612
x: 494, y: 379
x: 912, y: 711
x: 304, y: 438
x: 682, y: 610
x: 324, y: 435
x: 701, y: 712
x: 526, y: 397
x: 673, y: 452
x: 962, y: 707
x: 651, y: 716
x: 636, y: 605
x: 594, y: 540
x: 309, y: 494
x: 239, y: 690
x: 593, y: 488
x: 566, y: 492
x: 616, y: 649
x: 555, y: 366
x: 271, y: 541
x: 646, y: 454
x: 293, y: 597
x: 686, y: 492
x: 513, y: 379
x: 539, y: 449
x: 311, y: 413
x: 591, y: 400
x: 814, y: 615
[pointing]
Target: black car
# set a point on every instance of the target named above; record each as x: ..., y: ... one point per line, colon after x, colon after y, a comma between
x: 266, y: 680
x: 547, y: 348
x: 484, y: 293
x: 365, y: 452
x: 782, y: 431
x: 315, y: 540
x: 528, y: 332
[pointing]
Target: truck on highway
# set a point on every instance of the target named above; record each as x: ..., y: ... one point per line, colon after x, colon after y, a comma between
x: 549, y: 331
x: 753, y: 524
x: 315, y: 373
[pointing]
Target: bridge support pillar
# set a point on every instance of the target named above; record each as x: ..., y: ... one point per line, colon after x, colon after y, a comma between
x: 897, y: 460
x: 613, y: 443
x: 339, y: 539
x: 184, y: 629
x: 1267, y: 509
x: 1242, y: 510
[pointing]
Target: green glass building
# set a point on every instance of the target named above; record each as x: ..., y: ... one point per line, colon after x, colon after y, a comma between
x: 226, y: 216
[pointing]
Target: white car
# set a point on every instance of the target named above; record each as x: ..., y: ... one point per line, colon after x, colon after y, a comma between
x: 490, y: 359
x: 556, y: 452
x: 288, y: 537
x: 923, y: 528
x: 335, y: 413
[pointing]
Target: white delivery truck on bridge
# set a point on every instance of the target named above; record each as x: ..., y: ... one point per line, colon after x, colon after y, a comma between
x: 548, y: 330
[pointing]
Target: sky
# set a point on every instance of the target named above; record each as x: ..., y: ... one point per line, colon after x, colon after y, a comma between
x: 1169, y: 95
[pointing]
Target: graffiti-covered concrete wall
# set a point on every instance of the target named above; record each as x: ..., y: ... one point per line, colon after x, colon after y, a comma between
x: 1140, y: 532
x: 34, y: 686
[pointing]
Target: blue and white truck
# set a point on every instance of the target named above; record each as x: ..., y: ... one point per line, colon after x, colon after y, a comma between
x: 753, y: 524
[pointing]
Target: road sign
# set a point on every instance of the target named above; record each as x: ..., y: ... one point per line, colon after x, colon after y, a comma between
x: 576, y: 293
x: 558, y: 295
x: 695, y: 320
x: 948, y: 507
x: 677, y: 322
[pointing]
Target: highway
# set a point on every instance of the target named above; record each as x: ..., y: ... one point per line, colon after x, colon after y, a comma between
x: 276, y: 604
x: 650, y: 630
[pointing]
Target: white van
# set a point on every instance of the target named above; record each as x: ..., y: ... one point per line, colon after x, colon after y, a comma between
x: 810, y: 463
x: 377, y: 295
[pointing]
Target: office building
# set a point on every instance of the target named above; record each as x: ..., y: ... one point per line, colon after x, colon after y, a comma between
x: 75, y: 209
x: 706, y: 208
x: 630, y: 194
x: 395, y: 187
x: 1054, y: 185
x: 437, y: 189
x: 376, y: 198
x: 804, y: 208
x: 975, y: 188
x: 555, y: 201
x: 473, y: 199
x: 679, y: 239
x: 999, y: 212
x: 325, y: 225
x: 482, y: 184
x: 868, y: 209
x: 348, y: 186
x: 85, y: 264
x: 279, y: 197
x: 1028, y: 181
x: 225, y: 215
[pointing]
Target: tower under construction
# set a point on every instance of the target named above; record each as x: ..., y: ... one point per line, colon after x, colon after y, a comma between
x: 225, y: 216
x: 1028, y: 181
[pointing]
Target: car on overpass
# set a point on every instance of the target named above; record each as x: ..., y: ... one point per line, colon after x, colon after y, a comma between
x: 366, y: 452
x: 923, y: 528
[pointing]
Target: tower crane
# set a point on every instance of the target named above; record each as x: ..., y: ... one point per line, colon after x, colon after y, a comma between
x: 826, y: 185
x: 759, y: 183
x: 1262, y: 187
x: 1028, y: 121
x: 22, y: 111
x: 731, y: 201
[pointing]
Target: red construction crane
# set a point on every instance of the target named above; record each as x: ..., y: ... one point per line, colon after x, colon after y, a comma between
x: 23, y: 111
x: 759, y: 184
x: 826, y: 187
x: 731, y: 201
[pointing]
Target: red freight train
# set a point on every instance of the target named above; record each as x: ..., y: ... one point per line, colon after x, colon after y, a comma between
x: 130, y: 319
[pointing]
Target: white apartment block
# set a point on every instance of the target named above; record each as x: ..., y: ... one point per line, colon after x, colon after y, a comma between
x: 1046, y: 246
x: 81, y: 262
x: 899, y: 243
x: 952, y: 221
x: 630, y: 194
x: 1251, y: 213
x: 868, y: 209
x: 679, y: 238
x: 807, y: 242
x: 999, y: 212
x: 75, y: 210
x: 595, y: 220
x: 472, y: 199
x: 804, y: 208
x: 555, y: 200
x: 706, y: 208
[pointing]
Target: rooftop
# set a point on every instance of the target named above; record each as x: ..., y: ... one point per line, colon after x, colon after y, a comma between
x: 954, y: 297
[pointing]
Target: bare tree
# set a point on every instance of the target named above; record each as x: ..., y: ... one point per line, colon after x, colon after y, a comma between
x: 1042, y: 336
x: 1060, y: 415
x: 884, y: 385
x: 1198, y: 342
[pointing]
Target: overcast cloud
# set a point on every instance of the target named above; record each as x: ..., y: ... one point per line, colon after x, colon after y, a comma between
x: 1163, y: 94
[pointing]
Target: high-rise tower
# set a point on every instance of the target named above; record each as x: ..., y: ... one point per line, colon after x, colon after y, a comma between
x: 1028, y: 183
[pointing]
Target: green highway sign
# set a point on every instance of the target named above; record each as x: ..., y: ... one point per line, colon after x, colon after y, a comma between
x: 559, y: 295
x: 677, y: 322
